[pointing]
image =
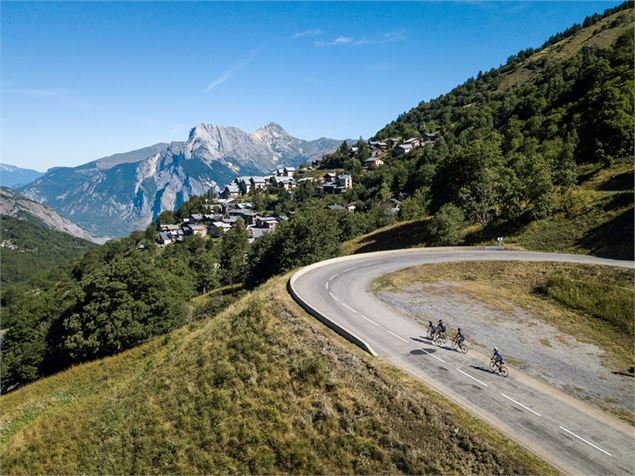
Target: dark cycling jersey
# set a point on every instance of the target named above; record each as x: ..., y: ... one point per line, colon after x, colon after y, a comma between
x: 460, y: 337
x: 498, y: 357
x: 442, y: 327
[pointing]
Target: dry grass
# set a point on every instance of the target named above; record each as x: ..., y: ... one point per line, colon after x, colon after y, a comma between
x: 259, y: 388
x: 600, y: 35
x: 584, y: 315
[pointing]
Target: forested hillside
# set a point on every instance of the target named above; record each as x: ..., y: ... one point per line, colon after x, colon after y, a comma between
x: 513, y: 138
x: 27, y: 249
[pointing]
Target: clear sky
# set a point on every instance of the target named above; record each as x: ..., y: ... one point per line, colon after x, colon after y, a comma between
x: 85, y: 80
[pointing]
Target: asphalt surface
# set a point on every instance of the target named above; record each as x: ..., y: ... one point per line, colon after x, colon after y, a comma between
x: 570, y: 434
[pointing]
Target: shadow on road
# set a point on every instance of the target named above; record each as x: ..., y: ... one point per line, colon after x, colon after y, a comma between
x: 481, y: 368
x: 423, y: 351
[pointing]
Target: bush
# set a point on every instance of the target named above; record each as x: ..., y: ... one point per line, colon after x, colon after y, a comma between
x: 447, y: 226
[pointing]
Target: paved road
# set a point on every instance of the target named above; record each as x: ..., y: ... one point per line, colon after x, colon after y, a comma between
x: 567, y: 432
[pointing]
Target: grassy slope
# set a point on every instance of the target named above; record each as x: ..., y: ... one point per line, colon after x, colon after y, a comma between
x: 39, y: 249
x: 599, y: 221
x: 261, y: 387
x: 601, y: 35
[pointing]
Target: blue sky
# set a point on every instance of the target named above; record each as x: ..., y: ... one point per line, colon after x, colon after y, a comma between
x: 85, y: 80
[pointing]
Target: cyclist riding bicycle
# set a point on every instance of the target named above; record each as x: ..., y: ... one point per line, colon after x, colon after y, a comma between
x: 431, y: 329
x: 497, y: 358
x: 459, y: 337
x: 441, y: 328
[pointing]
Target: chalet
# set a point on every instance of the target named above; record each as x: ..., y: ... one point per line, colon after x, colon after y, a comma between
x: 165, y: 238
x: 230, y: 191
x: 169, y: 227
x: 258, y: 183
x: 288, y: 171
x: 283, y: 182
x: 345, y: 181
x: 379, y: 145
x: 219, y: 227
x: 394, y: 141
x: 196, y: 217
x: 373, y: 162
x: 431, y: 136
x: 403, y: 149
x: 199, y: 230
x: 248, y: 216
x: 266, y: 222
x: 413, y: 141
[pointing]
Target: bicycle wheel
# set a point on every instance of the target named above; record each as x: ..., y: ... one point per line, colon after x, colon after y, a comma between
x: 503, y: 371
x: 492, y: 366
x: 463, y: 347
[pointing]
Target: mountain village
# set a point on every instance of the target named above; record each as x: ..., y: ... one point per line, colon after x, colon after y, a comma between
x: 225, y: 210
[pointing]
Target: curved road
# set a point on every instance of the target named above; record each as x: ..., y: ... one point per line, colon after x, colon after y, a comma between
x: 568, y: 433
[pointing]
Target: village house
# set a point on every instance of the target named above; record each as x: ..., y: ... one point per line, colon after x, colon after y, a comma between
x: 165, y: 238
x: 258, y: 183
x: 266, y: 222
x: 283, y: 182
x: 196, y: 217
x: 403, y: 149
x: 230, y: 191
x: 199, y: 230
x: 430, y: 136
x: 218, y: 227
x: 248, y: 216
x: 413, y: 141
x: 337, y: 183
x: 377, y: 145
x: 169, y: 227
x: 373, y: 162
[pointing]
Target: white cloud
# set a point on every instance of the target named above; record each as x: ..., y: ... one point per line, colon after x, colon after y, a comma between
x: 389, y: 37
x: 227, y: 75
x: 302, y: 34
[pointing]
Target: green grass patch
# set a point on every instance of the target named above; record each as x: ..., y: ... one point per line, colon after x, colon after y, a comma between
x: 611, y: 304
x: 260, y: 388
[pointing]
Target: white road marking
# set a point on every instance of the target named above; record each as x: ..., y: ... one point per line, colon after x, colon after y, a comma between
x: 473, y: 378
x: 432, y: 355
x: 327, y: 285
x: 586, y: 441
x: 398, y: 337
x: 333, y: 296
x: 369, y: 320
x: 521, y: 405
x: 334, y: 276
x: 349, y: 308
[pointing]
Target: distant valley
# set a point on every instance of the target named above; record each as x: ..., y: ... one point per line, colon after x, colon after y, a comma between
x: 115, y: 195
x: 12, y: 176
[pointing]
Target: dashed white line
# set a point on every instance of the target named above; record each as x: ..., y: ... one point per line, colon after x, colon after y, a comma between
x: 521, y: 405
x: 586, y: 441
x: 326, y: 285
x: 369, y: 320
x: 349, y: 307
x: 333, y: 296
x: 397, y: 336
x: 432, y: 355
x: 473, y: 378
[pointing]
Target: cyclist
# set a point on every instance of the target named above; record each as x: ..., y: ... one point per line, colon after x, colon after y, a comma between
x: 431, y: 329
x: 497, y: 358
x: 440, y: 328
x: 459, y: 337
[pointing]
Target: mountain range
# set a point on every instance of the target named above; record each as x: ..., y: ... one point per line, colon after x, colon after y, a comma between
x: 12, y: 176
x: 13, y: 204
x: 115, y: 195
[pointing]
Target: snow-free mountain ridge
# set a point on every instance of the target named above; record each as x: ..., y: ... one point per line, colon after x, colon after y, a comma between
x: 115, y: 195
x: 16, y: 205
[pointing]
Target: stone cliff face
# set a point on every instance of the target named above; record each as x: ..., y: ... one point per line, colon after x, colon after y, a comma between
x: 115, y: 195
x: 15, y: 205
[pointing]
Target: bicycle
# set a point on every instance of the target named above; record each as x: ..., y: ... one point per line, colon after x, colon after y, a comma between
x: 459, y: 346
x: 500, y: 368
x: 440, y: 339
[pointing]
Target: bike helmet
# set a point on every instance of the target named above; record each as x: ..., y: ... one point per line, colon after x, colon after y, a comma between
x: 459, y: 329
x: 495, y: 349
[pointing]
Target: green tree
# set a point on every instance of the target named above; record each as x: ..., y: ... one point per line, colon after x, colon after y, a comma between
x: 447, y: 226
x: 233, y: 255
